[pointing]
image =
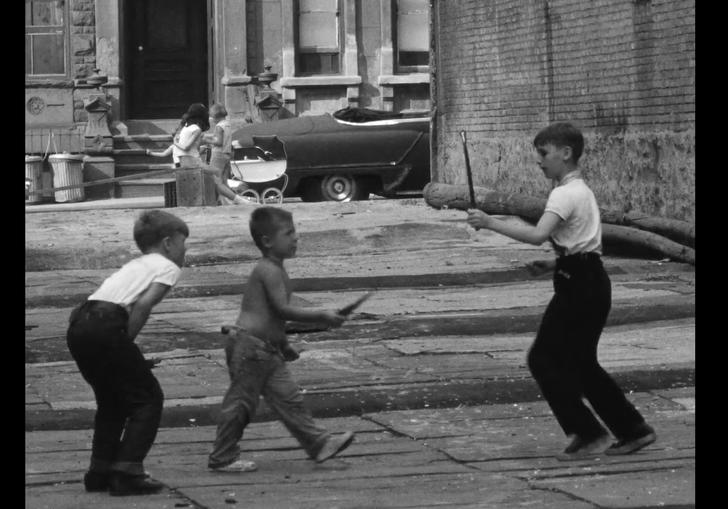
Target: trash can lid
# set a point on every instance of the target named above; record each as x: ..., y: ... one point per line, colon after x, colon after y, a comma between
x: 65, y: 157
x: 32, y: 159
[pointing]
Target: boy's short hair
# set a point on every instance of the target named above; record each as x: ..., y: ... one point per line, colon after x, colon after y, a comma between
x: 562, y: 134
x: 265, y: 221
x: 217, y: 110
x: 154, y: 225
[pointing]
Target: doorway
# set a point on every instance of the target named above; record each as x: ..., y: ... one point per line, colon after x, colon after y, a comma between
x: 167, y: 57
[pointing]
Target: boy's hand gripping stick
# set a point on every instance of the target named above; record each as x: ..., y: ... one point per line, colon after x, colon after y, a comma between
x: 469, y: 172
x: 347, y: 310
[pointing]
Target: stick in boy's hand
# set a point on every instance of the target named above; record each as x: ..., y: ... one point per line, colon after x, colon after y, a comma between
x: 469, y: 172
x: 152, y: 363
x: 347, y: 310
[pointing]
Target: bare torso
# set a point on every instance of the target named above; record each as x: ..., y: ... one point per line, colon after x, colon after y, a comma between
x: 257, y: 315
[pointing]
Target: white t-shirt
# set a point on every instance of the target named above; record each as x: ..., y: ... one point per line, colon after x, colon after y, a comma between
x: 581, y: 229
x: 186, y: 134
x: 125, y: 286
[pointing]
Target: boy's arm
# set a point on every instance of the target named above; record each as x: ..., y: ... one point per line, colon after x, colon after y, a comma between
x: 142, y: 308
x: 278, y: 298
x: 536, y: 235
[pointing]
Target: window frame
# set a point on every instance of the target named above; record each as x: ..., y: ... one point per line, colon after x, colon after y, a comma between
x: 338, y: 51
x: 398, y: 67
x: 34, y: 30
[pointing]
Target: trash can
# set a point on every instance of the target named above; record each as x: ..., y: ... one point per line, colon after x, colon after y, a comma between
x: 67, y: 171
x: 34, y: 177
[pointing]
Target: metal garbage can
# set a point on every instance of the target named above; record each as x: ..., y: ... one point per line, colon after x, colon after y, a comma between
x: 67, y: 171
x: 34, y: 178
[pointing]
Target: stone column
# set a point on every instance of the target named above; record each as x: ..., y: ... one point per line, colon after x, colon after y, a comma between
x: 230, y: 23
x: 108, y: 42
x: 351, y: 57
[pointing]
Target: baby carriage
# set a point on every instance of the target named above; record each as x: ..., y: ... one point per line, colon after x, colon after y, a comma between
x: 259, y: 172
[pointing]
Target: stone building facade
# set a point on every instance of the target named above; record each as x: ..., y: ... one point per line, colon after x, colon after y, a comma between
x: 236, y: 41
x: 622, y: 70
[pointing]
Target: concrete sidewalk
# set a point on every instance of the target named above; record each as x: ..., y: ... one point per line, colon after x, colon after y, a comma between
x: 450, y: 323
x: 438, y: 346
x: 496, y: 456
x: 430, y: 371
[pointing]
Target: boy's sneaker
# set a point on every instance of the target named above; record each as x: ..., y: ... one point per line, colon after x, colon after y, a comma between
x: 237, y: 466
x: 124, y: 484
x: 630, y: 445
x: 579, y: 448
x: 96, y: 481
x: 334, y: 445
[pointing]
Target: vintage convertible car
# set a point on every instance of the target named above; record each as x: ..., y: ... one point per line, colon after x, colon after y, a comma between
x: 339, y: 157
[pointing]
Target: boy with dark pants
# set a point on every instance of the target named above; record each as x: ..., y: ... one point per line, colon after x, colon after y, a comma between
x: 101, y: 337
x: 563, y: 358
x: 257, y: 349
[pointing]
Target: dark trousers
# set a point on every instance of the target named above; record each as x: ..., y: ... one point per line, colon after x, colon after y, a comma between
x: 563, y: 358
x: 128, y: 396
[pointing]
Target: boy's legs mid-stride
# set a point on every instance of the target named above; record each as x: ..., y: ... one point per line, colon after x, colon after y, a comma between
x: 255, y: 372
x: 563, y: 360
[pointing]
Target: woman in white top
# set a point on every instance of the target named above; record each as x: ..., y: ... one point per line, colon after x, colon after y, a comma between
x: 187, y: 137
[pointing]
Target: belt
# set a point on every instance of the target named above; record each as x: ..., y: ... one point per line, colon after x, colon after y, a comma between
x: 103, y: 305
x: 97, y: 305
x: 589, y: 256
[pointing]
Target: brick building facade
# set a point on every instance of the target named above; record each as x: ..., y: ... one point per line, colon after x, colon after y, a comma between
x: 623, y: 71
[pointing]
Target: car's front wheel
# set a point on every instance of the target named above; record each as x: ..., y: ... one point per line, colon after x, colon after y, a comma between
x: 336, y: 187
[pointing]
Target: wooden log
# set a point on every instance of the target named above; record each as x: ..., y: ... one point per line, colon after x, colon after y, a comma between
x: 530, y: 209
x: 674, y: 229
x: 508, y: 204
x: 615, y: 235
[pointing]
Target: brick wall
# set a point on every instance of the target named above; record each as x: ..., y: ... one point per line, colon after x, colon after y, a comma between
x: 622, y: 70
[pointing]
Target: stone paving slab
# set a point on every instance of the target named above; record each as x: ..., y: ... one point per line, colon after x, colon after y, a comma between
x: 479, y: 456
x: 194, y: 378
x: 398, y: 268
x: 192, y: 321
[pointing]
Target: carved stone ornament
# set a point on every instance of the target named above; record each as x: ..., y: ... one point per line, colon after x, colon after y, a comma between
x: 36, y: 105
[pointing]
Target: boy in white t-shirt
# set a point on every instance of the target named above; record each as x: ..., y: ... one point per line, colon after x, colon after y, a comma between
x: 101, y: 337
x: 563, y: 357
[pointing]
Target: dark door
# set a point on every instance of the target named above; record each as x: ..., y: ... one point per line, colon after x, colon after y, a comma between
x: 166, y: 55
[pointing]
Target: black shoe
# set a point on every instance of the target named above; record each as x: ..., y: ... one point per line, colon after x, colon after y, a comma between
x: 633, y: 444
x: 124, y: 484
x: 581, y: 448
x: 96, y: 481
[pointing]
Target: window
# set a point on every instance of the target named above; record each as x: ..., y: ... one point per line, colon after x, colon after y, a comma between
x: 318, y: 37
x: 413, y: 35
x: 45, y: 37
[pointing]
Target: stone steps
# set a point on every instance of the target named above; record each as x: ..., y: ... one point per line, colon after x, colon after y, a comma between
x: 130, y: 158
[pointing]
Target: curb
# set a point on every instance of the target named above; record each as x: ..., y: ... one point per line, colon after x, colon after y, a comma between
x: 486, y: 322
x: 328, y: 404
x: 312, y: 284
